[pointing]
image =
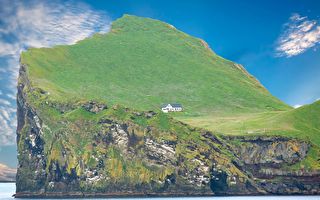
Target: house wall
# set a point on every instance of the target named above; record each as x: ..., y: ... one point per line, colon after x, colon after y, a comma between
x: 171, y: 109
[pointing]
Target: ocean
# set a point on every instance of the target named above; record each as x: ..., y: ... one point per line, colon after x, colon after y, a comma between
x: 8, y: 189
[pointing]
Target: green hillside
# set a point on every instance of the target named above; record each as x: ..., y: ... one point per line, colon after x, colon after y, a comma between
x: 302, y: 122
x: 90, y: 125
x: 142, y: 63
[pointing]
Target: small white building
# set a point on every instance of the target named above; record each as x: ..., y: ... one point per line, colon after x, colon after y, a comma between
x: 171, y: 107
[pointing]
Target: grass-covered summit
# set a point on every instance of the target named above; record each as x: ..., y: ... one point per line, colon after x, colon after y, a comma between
x: 142, y: 63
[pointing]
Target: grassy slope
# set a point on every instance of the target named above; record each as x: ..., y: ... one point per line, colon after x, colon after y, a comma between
x: 302, y: 122
x: 143, y: 63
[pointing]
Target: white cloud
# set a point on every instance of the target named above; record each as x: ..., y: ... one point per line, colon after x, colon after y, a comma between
x: 7, y: 124
x: 43, y: 23
x: 37, y: 23
x: 297, y: 106
x: 299, y: 35
x: 11, y: 96
x: 8, y: 49
x: 4, y: 102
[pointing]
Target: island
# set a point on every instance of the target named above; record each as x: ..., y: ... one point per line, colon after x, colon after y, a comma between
x: 90, y: 122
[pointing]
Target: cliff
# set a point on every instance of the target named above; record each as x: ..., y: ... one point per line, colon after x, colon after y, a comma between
x: 79, y: 137
x: 127, y: 152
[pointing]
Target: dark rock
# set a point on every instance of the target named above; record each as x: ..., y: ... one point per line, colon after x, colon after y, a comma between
x: 94, y: 107
x: 105, y: 121
x: 218, y: 181
x: 149, y: 114
x: 137, y: 113
x: 272, y: 151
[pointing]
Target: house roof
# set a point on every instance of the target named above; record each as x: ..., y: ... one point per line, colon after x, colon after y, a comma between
x: 175, y: 105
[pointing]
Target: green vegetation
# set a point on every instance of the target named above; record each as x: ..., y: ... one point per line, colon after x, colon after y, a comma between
x: 143, y: 63
x: 139, y: 65
x: 302, y: 123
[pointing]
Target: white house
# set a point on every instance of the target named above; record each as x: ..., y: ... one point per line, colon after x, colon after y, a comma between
x: 171, y: 107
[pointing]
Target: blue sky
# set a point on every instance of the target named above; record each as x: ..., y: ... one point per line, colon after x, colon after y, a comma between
x: 276, y: 41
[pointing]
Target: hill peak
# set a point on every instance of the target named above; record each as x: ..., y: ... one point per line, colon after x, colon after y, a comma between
x: 142, y: 63
x: 135, y: 23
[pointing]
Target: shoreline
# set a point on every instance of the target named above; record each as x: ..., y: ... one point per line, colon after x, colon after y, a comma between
x: 143, y: 195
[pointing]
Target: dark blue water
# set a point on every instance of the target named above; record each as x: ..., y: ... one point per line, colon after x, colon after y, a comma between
x: 8, y: 189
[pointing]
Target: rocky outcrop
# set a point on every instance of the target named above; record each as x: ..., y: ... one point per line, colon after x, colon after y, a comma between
x: 200, y: 175
x: 162, y: 152
x: 94, y: 107
x: 120, y: 136
x: 271, y: 150
x: 269, y: 160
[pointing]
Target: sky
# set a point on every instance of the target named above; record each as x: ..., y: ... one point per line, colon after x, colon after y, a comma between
x: 276, y: 41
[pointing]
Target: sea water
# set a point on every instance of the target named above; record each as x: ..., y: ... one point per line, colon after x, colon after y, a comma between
x: 8, y: 189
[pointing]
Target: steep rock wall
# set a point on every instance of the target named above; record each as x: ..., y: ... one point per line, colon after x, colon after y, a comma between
x: 270, y: 159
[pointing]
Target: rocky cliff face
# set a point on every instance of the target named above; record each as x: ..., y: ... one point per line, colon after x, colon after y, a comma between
x: 271, y: 151
x: 118, y: 151
x: 270, y: 160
